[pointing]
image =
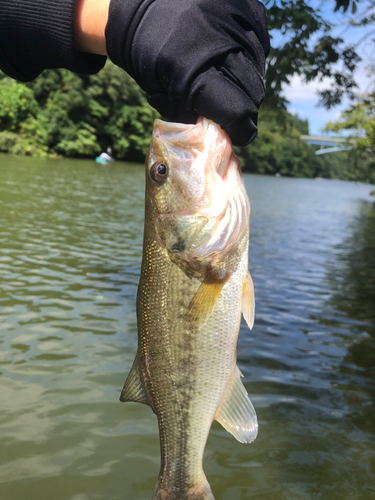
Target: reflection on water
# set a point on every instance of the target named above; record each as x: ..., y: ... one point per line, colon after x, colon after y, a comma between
x: 71, y: 239
x: 353, y: 284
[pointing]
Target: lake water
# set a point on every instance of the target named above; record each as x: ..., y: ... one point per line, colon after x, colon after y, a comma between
x: 70, y: 252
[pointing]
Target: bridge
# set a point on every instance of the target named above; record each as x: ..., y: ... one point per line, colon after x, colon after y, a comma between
x: 327, y: 144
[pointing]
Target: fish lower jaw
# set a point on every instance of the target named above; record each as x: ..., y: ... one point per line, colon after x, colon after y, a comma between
x: 200, y: 491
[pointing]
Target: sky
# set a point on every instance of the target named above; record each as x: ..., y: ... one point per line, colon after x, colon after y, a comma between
x: 303, y: 101
x: 302, y: 97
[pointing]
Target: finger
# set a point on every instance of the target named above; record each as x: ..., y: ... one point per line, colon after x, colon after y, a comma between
x: 239, y: 69
x: 216, y: 97
x: 251, y: 25
x: 173, y: 110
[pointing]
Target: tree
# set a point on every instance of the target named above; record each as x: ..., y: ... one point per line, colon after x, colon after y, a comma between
x: 359, y: 121
x: 306, y: 42
x: 61, y: 113
x: 279, y: 150
x: 20, y: 131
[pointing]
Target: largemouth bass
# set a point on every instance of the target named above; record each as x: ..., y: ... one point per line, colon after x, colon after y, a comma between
x: 194, y: 284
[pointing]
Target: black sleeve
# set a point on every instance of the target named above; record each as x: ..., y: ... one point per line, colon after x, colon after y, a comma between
x: 39, y: 34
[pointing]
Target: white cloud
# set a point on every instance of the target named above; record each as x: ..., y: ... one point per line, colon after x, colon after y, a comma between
x: 303, y: 100
x: 301, y: 91
x: 298, y: 90
x: 302, y: 113
x: 316, y: 116
x: 302, y: 96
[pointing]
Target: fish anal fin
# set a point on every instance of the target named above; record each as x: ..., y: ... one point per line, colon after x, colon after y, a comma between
x: 248, y: 301
x: 204, y: 301
x: 133, y: 388
x: 237, y: 414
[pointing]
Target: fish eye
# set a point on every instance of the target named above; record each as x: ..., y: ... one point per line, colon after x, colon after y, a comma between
x: 159, y: 171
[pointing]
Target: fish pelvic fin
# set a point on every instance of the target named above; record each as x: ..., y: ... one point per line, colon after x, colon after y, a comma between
x: 204, y: 301
x: 248, y: 301
x: 237, y: 414
x: 199, y: 491
x: 133, y: 388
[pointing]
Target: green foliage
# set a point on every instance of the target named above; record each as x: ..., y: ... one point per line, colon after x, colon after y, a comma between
x: 20, y: 129
x: 306, y: 42
x: 279, y: 150
x: 8, y: 140
x: 61, y: 113
x: 79, y: 141
x: 359, y: 120
x: 17, y: 103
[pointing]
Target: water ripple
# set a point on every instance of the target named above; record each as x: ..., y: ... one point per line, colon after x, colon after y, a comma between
x: 71, y: 242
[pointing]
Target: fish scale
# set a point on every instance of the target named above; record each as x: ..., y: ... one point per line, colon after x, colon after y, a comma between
x: 189, y: 313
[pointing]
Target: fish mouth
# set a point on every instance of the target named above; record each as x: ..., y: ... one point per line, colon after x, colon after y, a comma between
x: 204, y: 136
x: 218, y: 218
x: 181, y: 135
x: 218, y: 139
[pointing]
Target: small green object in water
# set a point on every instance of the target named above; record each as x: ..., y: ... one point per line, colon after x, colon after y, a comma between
x: 100, y: 160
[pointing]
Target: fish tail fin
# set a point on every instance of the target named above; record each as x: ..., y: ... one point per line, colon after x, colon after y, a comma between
x: 200, y: 491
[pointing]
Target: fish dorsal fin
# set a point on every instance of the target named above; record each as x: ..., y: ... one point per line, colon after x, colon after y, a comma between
x: 248, y: 301
x: 133, y: 388
x: 205, y: 299
x: 237, y: 414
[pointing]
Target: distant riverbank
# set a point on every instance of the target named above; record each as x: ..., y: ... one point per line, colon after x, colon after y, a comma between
x: 76, y: 116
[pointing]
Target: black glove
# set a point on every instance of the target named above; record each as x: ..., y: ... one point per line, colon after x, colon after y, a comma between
x: 194, y: 58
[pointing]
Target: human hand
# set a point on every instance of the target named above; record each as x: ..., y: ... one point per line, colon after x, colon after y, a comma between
x: 90, y: 19
x: 194, y: 58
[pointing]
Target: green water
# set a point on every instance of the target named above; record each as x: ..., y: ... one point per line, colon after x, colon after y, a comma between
x: 70, y: 251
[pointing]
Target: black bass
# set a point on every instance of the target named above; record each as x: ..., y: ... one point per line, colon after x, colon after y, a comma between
x: 194, y: 284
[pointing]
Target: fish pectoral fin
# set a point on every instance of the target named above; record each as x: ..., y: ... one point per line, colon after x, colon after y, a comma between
x: 133, y: 388
x: 204, y: 301
x: 248, y: 301
x: 237, y: 414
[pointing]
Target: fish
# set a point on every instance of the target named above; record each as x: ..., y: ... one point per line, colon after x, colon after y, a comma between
x: 194, y: 284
